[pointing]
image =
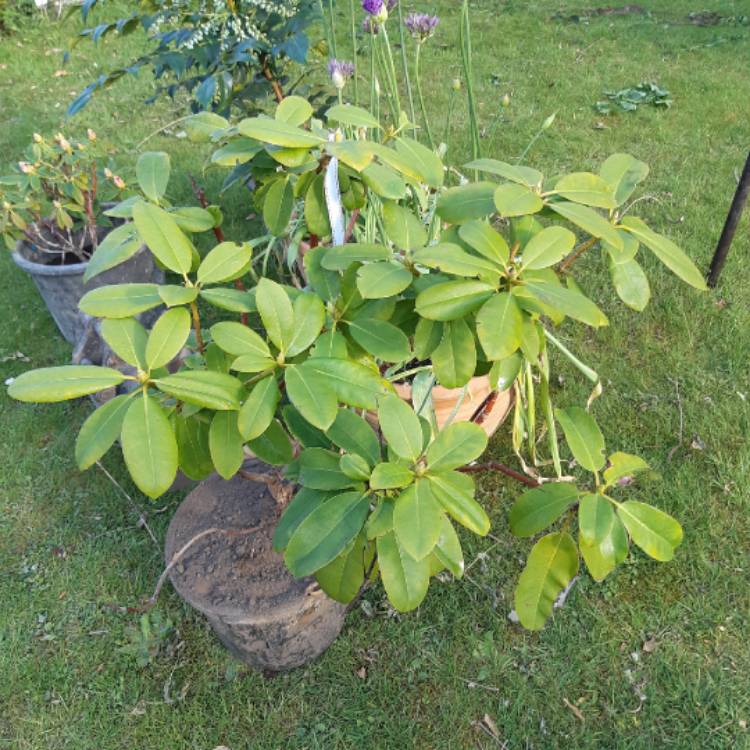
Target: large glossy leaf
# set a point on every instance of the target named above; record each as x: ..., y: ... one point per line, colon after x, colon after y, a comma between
x: 505, y: 371
x: 316, y: 208
x: 589, y: 220
x: 343, y: 577
x: 603, y: 557
x: 405, y: 579
x: 381, y: 339
x: 382, y: 279
x: 355, y: 384
x: 667, y: 252
x: 451, y: 259
x: 309, y: 316
x: 568, y: 301
x: 596, y: 516
x: 383, y: 181
x: 276, y: 312
x: 52, y: 384
x: 403, y: 228
x: 127, y: 338
x: 455, y: 492
x: 149, y: 446
x: 418, y: 519
x: 235, y: 152
x: 212, y: 390
x: 630, y: 282
x: 547, y: 248
x: 301, y: 506
x: 486, y: 241
x: 391, y: 476
x: 400, y: 427
x: 551, y: 565
x: 455, y: 446
x: 448, y: 549
x: 623, y: 465
x: 355, y: 435
x: 278, y: 133
x: 398, y: 161
x: 193, y: 449
x: 312, y: 395
x: 427, y: 337
x: 586, y: 188
x: 341, y: 257
x: 120, y: 300
x: 653, y: 530
x: 167, y: 337
x: 174, y: 295
x: 307, y: 435
x: 295, y: 110
x: 381, y: 519
x: 118, y: 246
x: 452, y: 299
x: 324, y: 534
x: 225, y: 262
x: 277, y: 206
x: 355, y: 154
x: 320, y: 470
x: 233, y: 300
x: 163, y: 237
x: 348, y: 114
x: 355, y: 467
x: 424, y: 160
x: 259, y: 409
x: 193, y: 218
x: 467, y: 202
x: 513, y: 172
x: 202, y: 126
x: 455, y: 358
x: 100, y: 430
x: 536, y: 509
x: 517, y: 200
x: 235, y: 338
x: 225, y: 444
x: 499, y: 324
x: 623, y: 172
x: 583, y: 436
x: 273, y: 446
x: 152, y: 172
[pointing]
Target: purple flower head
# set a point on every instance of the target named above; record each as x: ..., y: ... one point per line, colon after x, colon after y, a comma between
x: 378, y: 9
x: 421, y: 25
x: 340, y: 72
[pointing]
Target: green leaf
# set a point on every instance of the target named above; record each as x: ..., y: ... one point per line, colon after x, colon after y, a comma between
x: 384, y: 182
x: 391, y: 476
x: 152, y: 172
x: 127, y: 339
x: 118, y: 246
x: 400, y: 427
x: 259, y: 409
x: 418, y: 519
x: 623, y: 172
x: 167, y: 337
x: 51, y: 384
x: 586, y: 188
x: 193, y: 219
x: 225, y: 262
x: 309, y: 317
x: 588, y: 220
x: 276, y: 312
x: 547, y: 248
x: 192, y: 447
x: 120, y: 300
x: 320, y: 470
x: 307, y: 435
x: 163, y: 237
x: 237, y: 151
x: 381, y: 339
x: 653, y: 530
x: 517, y: 200
x: 448, y: 549
x: 237, y: 339
x: 452, y: 259
x: 467, y: 202
x: 455, y: 359
x: 301, y: 506
x: 455, y: 492
x: 149, y: 446
x: 623, y: 465
x: 552, y: 564
x: 225, y: 444
x: 123, y: 209
x: 312, y: 395
x: 348, y: 114
x: 294, y: 110
x: 513, y: 172
x: 355, y: 467
x: 273, y: 445
x: 499, y: 326
x: 356, y: 154
x: 398, y: 161
x: 403, y: 228
x: 355, y: 435
x: 355, y: 384
x: 173, y: 295
x: 667, y: 252
x: 452, y: 299
x: 316, y: 208
x: 601, y: 559
x: 201, y: 127
x: 343, y: 577
x: 381, y: 520
x: 278, y: 133
x: 505, y: 371
x: 536, y: 509
x: 341, y: 257
x: 427, y: 337
x: 486, y: 241
x: 630, y: 282
x: 100, y: 430
x: 405, y: 579
x: 596, y: 517
x: 383, y: 279
x: 278, y: 206
x: 424, y: 160
x: 583, y: 436
x: 232, y: 300
x: 455, y: 446
x: 568, y: 302
x: 212, y: 390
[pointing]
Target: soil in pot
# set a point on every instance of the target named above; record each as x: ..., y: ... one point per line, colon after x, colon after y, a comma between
x: 261, y: 613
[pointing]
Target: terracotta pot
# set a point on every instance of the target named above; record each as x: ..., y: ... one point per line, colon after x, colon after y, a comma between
x: 261, y: 613
x: 481, y: 404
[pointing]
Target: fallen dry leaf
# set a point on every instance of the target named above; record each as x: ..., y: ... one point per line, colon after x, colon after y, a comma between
x: 362, y: 673
x: 650, y: 645
x: 61, y: 73
x: 574, y: 709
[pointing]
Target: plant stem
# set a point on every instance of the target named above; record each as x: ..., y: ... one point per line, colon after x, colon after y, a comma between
x: 354, y: 50
x: 503, y: 469
x: 421, y: 96
x: 333, y: 28
x: 577, y: 253
x: 392, y: 74
x: 465, y: 38
x: 268, y: 75
x: 404, y: 62
x: 197, y: 327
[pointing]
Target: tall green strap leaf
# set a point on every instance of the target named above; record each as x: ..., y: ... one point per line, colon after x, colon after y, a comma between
x: 455, y: 446
x: 225, y: 443
x: 259, y: 409
x: 400, y: 426
x: 312, y: 395
x: 163, y: 237
x: 583, y: 436
x: 653, y: 530
x: 52, y: 384
x: 455, y: 492
x: 325, y: 533
x: 152, y: 172
x: 455, y: 358
x: 127, y: 338
x: 276, y: 311
x: 167, y: 337
x: 149, y: 446
x: 536, y: 509
x: 418, y: 519
x: 499, y: 326
x: 551, y: 565
x: 100, y: 430
x: 405, y: 579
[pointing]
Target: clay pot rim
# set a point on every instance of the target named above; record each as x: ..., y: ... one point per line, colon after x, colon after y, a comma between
x: 480, y: 382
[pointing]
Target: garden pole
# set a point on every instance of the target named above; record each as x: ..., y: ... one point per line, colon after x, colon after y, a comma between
x: 730, y: 226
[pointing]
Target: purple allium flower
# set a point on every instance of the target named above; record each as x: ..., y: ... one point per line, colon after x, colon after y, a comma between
x: 340, y: 72
x: 421, y: 25
x: 378, y: 9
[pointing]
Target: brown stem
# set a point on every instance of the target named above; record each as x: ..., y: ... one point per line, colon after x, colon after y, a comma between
x: 350, y: 227
x: 503, y: 469
x: 197, y: 327
x: 268, y: 75
x: 281, y: 490
x: 577, y: 253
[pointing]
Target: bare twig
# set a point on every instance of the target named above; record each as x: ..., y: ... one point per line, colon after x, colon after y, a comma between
x: 577, y: 253
x: 281, y: 490
x: 503, y: 469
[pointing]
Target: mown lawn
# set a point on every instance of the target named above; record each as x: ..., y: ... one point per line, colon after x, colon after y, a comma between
x: 657, y: 657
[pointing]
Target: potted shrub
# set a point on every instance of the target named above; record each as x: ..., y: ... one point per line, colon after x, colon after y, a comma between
x: 437, y: 283
x: 53, y: 216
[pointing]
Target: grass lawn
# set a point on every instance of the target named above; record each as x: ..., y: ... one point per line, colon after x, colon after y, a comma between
x: 657, y: 657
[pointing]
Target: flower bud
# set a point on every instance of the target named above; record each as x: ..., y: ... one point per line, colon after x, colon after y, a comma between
x: 456, y: 84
